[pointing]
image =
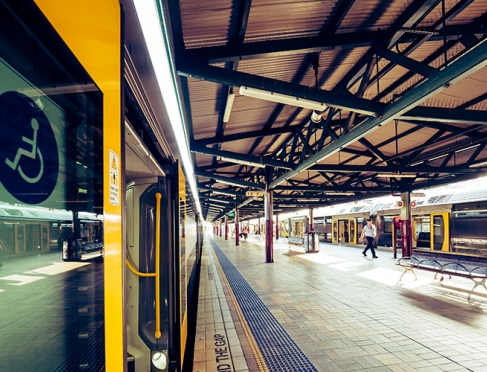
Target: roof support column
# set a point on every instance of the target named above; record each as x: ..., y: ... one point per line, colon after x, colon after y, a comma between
x: 406, y: 227
x: 277, y: 227
x: 237, y: 227
x: 226, y: 227
x: 269, y: 242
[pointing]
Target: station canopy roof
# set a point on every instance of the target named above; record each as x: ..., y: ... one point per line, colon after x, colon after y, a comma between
x: 323, y: 102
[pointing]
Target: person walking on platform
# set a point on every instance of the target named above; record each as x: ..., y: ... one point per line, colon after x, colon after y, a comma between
x: 369, y: 232
x: 245, y: 233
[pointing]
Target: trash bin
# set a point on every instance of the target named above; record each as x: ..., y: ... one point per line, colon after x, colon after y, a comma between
x: 312, y: 242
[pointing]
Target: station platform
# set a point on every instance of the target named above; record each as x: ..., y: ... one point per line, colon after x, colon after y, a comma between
x: 333, y: 310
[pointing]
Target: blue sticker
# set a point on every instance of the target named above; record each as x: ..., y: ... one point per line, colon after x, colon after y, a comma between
x: 29, y: 161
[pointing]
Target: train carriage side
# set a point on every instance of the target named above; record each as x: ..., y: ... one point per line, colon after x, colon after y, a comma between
x: 346, y: 227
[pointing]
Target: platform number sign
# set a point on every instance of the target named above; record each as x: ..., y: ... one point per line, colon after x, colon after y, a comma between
x: 29, y: 160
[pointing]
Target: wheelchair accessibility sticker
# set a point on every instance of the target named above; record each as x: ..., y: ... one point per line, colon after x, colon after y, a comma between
x: 29, y: 160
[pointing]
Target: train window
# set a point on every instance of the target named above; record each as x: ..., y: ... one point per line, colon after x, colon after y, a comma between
x: 438, y: 232
x: 51, y: 172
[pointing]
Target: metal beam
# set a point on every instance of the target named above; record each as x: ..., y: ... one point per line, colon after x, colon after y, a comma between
x: 236, y: 78
x: 234, y: 155
x: 231, y: 180
x: 446, y: 115
x: 381, y: 169
x: 245, y: 135
x: 466, y: 65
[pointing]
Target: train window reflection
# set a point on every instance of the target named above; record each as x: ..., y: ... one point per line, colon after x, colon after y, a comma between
x: 51, y: 176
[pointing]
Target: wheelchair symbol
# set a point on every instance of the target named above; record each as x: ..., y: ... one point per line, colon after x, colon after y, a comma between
x: 32, y: 154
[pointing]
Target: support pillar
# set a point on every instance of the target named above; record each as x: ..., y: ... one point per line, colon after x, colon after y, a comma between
x: 237, y: 228
x: 277, y: 227
x: 269, y: 242
x: 311, y: 221
x: 407, y: 234
x: 226, y: 227
x: 220, y: 229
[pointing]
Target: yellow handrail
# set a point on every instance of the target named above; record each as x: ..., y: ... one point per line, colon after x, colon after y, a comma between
x: 136, y: 272
x: 157, y: 275
x: 157, y: 333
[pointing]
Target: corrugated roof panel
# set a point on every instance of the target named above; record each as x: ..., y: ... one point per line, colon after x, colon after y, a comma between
x: 333, y: 66
x: 474, y: 10
x: 207, y: 22
x: 279, y: 68
x: 271, y: 20
x: 461, y: 92
x: 372, y: 15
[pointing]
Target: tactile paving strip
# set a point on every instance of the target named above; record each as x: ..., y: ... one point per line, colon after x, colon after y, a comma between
x: 89, y: 357
x: 278, y: 349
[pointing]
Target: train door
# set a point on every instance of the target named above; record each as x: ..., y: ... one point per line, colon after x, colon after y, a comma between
x: 343, y: 231
x: 334, y: 237
x: 20, y: 243
x: 45, y: 240
x: 33, y: 237
x: 352, y: 235
x: 439, y: 231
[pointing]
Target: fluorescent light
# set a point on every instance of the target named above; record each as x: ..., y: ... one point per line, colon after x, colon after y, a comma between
x: 467, y: 148
x: 396, y: 175
x: 346, y: 193
x: 477, y: 165
x: 218, y: 191
x: 282, y: 98
x: 242, y: 162
x: 228, y: 107
x: 229, y: 183
x: 219, y: 200
x: 157, y: 40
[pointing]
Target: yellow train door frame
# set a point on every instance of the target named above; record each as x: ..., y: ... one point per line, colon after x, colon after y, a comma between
x: 352, y: 234
x: 334, y: 232
x: 439, y: 231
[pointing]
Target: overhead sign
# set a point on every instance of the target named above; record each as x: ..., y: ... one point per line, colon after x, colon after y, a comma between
x: 254, y: 193
x: 231, y: 214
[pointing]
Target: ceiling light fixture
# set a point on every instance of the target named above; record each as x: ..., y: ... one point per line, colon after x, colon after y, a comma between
x: 219, y: 200
x: 228, y: 107
x: 242, y: 162
x: 396, y: 175
x: 477, y: 165
x: 345, y: 193
x: 282, y: 98
x: 229, y: 183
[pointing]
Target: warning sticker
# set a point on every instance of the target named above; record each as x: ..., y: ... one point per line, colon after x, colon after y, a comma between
x: 114, y: 178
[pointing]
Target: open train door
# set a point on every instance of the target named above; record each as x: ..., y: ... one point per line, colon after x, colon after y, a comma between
x: 352, y: 231
x: 334, y: 235
x: 439, y: 230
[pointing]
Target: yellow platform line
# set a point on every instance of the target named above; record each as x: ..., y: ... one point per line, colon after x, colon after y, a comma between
x: 250, y: 337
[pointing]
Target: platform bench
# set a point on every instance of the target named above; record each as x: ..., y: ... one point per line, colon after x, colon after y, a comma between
x: 446, y: 263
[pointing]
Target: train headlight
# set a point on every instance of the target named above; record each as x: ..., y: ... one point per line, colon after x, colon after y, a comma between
x: 159, y: 360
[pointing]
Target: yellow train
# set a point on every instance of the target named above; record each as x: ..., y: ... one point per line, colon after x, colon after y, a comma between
x: 84, y: 132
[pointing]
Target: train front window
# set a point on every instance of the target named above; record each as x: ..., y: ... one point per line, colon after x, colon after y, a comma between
x: 51, y: 190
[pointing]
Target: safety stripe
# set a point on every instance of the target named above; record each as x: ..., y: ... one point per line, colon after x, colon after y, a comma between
x: 253, y: 344
x: 278, y: 349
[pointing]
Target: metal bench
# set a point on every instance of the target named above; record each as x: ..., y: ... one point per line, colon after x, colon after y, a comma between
x: 445, y: 263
